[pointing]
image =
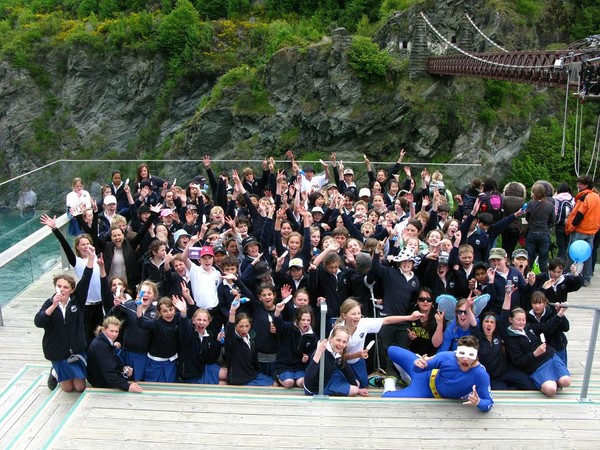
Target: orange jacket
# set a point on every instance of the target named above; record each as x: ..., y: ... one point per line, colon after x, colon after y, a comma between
x: 585, y: 217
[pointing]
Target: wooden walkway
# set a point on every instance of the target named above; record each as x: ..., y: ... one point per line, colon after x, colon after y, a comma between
x: 183, y: 416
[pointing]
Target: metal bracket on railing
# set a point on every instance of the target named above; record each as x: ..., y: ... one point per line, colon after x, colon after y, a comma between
x: 322, y: 362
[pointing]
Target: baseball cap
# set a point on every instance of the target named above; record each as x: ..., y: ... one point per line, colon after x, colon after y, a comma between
x: 497, y: 253
x: 207, y: 251
x: 109, y: 200
x: 317, y: 209
x: 166, y: 212
x: 348, y: 172
x: 520, y: 253
x: 219, y: 249
x: 364, y: 192
x: 296, y: 262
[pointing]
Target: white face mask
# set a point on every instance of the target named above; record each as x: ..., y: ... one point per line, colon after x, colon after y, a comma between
x: 462, y: 351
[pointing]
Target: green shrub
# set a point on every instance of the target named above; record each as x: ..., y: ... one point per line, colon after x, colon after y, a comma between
x: 179, y: 29
x: 366, y: 59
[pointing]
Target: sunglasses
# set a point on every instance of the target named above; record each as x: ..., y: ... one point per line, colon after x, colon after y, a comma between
x: 461, y: 312
x: 424, y: 299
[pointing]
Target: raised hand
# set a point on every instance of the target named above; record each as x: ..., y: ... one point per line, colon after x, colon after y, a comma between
x: 45, y: 219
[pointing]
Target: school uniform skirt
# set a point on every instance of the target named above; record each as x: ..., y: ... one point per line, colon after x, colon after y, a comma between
x: 552, y: 370
x: 66, y: 371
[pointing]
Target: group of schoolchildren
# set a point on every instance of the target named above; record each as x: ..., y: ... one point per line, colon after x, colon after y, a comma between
x: 223, y: 282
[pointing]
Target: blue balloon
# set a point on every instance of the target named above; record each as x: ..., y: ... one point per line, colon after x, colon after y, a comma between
x: 580, y: 251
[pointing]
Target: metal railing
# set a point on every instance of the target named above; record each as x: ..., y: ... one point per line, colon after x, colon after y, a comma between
x: 587, y: 373
x: 24, y: 248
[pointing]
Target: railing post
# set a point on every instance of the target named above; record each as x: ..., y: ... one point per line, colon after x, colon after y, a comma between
x: 322, y: 362
x: 590, y: 358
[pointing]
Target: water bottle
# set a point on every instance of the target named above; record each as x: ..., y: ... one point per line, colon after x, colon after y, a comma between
x: 223, y: 331
x: 244, y: 300
x: 138, y: 300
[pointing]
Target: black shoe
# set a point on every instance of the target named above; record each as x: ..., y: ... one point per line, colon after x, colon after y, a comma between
x: 52, y: 381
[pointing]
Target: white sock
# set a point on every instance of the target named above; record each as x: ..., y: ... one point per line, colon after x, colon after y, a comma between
x: 389, y: 384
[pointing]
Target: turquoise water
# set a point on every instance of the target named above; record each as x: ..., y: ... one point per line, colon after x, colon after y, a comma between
x: 28, y: 267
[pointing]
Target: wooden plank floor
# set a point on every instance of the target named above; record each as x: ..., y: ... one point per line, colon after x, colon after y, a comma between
x: 182, y: 416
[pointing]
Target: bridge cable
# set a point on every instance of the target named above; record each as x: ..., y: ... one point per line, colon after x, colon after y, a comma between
x: 564, y: 137
x: 595, y: 151
x: 577, y: 139
x: 470, y: 55
x: 484, y: 35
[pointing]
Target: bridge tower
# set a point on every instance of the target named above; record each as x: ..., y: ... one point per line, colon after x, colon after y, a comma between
x: 419, y: 51
x: 466, y: 36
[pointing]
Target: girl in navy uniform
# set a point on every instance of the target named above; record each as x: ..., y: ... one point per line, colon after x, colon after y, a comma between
x: 136, y: 340
x: 492, y: 352
x: 161, y: 365
x: 61, y: 317
x: 296, y: 343
x: 339, y: 376
x: 241, y: 352
x: 198, y: 350
x: 265, y: 330
x: 527, y: 349
x: 105, y: 368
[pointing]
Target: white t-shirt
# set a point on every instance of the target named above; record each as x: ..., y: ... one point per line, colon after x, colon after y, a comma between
x: 204, y: 286
x: 94, y: 292
x: 74, y: 200
x: 356, y: 343
x: 315, y: 184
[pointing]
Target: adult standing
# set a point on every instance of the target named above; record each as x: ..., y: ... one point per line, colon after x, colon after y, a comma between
x: 563, y: 205
x: 540, y: 217
x: 584, y: 221
x: 514, y: 198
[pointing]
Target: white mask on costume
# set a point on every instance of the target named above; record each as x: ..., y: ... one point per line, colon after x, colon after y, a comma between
x: 462, y: 351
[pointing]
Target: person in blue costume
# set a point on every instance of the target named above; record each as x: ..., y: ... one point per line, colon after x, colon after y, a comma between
x: 456, y: 375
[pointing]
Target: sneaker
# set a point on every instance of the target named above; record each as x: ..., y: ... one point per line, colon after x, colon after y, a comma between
x: 376, y: 381
x: 52, y: 381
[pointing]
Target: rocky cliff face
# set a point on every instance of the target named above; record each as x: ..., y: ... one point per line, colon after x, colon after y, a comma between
x: 316, y: 100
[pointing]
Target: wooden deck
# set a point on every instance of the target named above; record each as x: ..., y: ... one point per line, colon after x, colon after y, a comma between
x: 183, y: 416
